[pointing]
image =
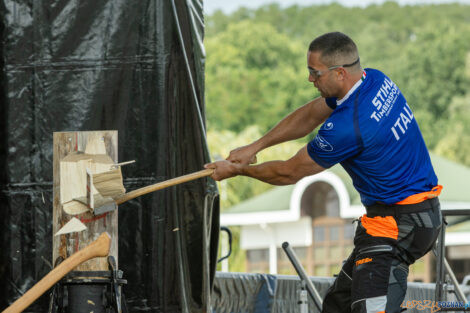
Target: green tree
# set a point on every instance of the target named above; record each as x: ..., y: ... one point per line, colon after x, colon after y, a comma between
x: 435, y: 74
x: 455, y: 140
x: 261, y: 74
x: 254, y: 75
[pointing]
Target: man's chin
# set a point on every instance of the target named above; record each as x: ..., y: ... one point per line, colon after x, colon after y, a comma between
x: 323, y: 93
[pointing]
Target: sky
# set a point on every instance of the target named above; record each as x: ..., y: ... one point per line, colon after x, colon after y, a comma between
x: 228, y: 6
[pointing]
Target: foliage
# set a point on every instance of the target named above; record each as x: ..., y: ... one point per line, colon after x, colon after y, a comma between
x: 456, y: 139
x: 256, y: 60
x: 254, y: 75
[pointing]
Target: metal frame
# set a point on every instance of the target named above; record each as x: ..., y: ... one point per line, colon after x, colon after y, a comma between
x: 312, y: 291
x: 443, y: 267
x: 229, y: 233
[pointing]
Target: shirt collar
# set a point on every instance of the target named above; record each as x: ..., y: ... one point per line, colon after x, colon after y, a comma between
x: 353, y: 88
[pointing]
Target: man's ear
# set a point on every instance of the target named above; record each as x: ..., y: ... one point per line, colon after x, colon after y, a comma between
x: 342, y: 73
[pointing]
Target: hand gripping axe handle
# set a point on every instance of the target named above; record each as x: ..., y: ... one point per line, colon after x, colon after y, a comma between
x: 98, y: 248
x: 112, y: 205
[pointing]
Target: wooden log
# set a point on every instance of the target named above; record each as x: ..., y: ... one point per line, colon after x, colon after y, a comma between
x: 109, y: 184
x: 66, y: 146
x: 73, y: 178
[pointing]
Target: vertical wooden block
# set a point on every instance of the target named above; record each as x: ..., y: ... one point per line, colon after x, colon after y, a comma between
x: 67, y: 145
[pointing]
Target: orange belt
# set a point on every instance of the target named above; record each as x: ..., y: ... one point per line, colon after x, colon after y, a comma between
x: 420, y: 197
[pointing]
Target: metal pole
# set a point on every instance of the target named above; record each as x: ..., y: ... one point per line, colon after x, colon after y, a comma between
x: 303, y: 275
x: 303, y: 298
x: 440, y: 247
x: 458, y: 291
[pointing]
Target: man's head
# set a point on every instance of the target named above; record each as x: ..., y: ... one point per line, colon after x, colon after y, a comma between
x: 333, y: 62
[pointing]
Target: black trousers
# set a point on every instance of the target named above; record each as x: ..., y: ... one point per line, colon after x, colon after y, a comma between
x: 388, y: 239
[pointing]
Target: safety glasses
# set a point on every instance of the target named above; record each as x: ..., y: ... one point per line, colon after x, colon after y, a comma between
x: 316, y: 73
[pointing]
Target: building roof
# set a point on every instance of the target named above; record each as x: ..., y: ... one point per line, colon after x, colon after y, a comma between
x: 454, y: 177
x: 275, y: 199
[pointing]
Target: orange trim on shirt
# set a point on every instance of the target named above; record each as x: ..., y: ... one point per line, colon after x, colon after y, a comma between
x: 420, y: 197
x: 380, y: 226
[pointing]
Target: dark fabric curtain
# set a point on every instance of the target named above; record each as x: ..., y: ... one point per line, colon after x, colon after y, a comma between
x: 132, y: 66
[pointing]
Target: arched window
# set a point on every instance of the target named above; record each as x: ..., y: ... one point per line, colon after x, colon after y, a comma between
x: 319, y: 199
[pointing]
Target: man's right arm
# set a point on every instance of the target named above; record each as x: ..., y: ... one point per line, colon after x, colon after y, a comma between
x: 295, y: 125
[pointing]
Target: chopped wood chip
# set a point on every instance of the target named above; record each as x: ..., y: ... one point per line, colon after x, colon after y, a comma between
x: 73, y: 226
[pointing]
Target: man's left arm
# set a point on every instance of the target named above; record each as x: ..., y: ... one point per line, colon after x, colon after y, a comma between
x: 272, y: 172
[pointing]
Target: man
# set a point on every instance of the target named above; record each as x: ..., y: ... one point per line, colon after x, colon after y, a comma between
x: 370, y: 130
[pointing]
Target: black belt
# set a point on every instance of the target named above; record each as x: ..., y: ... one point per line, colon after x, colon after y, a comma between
x: 379, y: 209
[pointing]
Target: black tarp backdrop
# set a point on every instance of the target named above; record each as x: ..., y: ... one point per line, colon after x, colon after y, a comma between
x: 94, y: 65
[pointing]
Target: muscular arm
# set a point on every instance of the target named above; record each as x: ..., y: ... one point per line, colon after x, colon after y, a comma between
x: 296, y: 125
x: 272, y: 172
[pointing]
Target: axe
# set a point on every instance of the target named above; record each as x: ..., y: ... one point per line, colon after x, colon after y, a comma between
x: 111, y: 205
x: 98, y: 248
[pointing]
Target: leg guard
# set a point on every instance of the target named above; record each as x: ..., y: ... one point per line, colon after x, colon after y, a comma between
x: 338, y: 297
x: 371, y: 279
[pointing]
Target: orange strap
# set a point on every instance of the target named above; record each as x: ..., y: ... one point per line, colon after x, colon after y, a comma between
x: 380, y: 226
x: 420, y: 197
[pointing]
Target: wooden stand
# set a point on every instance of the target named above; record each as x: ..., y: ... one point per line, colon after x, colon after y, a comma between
x: 101, y: 143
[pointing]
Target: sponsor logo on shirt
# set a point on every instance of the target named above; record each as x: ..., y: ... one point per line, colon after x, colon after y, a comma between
x: 384, y: 100
x: 323, y: 144
x: 328, y: 126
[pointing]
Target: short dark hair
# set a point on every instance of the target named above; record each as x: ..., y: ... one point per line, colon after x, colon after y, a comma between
x: 335, y: 47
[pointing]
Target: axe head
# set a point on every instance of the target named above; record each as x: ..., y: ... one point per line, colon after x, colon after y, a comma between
x: 102, y: 204
x: 105, y: 208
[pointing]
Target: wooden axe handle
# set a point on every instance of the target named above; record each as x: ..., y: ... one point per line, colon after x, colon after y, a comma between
x: 98, y: 248
x: 167, y: 183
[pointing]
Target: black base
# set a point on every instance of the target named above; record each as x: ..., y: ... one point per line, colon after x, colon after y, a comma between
x: 93, y: 291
